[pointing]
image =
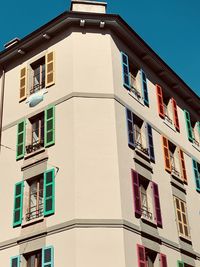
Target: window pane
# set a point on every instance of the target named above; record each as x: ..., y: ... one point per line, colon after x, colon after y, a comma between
x: 49, y: 137
x: 17, y: 215
x: 49, y: 204
x: 49, y: 190
x: 20, y: 138
x: 18, y: 189
x: 14, y: 262
x: 49, y: 113
x: 49, y: 177
x: 49, y: 125
x: 47, y: 255
x: 17, y: 202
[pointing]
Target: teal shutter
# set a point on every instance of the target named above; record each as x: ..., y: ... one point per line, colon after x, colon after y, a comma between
x: 180, y: 264
x: 49, y: 127
x: 21, y: 136
x: 18, y: 204
x: 144, y: 88
x: 188, y: 125
x: 15, y: 261
x: 49, y: 192
x: 47, y: 257
x: 196, y: 174
x: 198, y: 127
x: 125, y: 70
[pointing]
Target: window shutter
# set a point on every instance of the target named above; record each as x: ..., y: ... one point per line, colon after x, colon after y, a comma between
x: 23, y: 84
x: 180, y: 264
x: 48, y: 256
x: 160, y: 101
x: 166, y: 154
x: 136, y: 193
x: 18, y: 204
x: 21, y: 136
x: 150, y: 142
x: 196, y: 174
x: 49, y: 127
x: 130, y: 128
x: 144, y: 88
x: 157, y: 204
x: 141, y: 256
x: 125, y: 70
x: 163, y: 260
x: 50, y: 69
x: 49, y: 192
x: 188, y: 125
x: 175, y: 113
x: 198, y: 127
x: 182, y: 164
x: 15, y: 261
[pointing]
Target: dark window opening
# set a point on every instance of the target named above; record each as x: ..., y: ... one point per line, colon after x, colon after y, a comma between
x: 38, y: 78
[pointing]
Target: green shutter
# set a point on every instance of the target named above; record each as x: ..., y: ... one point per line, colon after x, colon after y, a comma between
x: 18, y: 204
x: 49, y: 192
x: 198, y: 126
x: 188, y: 125
x: 49, y: 127
x: 180, y: 264
x: 47, y: 257
x: 196, y: 174
x: 15, y: 261
x: 21, y: 135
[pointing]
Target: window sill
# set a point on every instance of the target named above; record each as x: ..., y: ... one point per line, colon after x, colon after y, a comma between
x: 36, y: 220
x: 142, y: 153
x: 138, y: 99
x: 149, y: 221
x: 185, y: 238
x: 41, y: 150
x: 171, y: 126
x: 196, y: 147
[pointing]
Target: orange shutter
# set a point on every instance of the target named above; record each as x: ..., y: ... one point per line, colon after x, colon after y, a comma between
x: 182, y: 164
x: 23, y: 84
x: 160, y: 101
x: 166, y: 154
x: 50, y: 69
x: 175, y: 113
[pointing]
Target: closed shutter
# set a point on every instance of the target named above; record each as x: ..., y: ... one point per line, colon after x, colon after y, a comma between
x: 48, y: 257
x: 125, y: 70
x: 49, y: 192
x: 166, y: 154
x: 182, y: 164
x: 188, y: 125
x: 21, y: 137
x: 157, y: 204
x: 163, y: 260
x: 23, y: 84
x: 175, y: 113
x: 49, y: 127
x: 141, y: 256
x: 161, y: 111
x: 18, y: 204
x: 15, y: 261
x: 196, y: 174
x: 136, y: 193
x: 150, y: 142
x: 181, y: 217
x: 130, y: 128
x: 144, y: 88
x: 50, y: 69
x: 180, y: 264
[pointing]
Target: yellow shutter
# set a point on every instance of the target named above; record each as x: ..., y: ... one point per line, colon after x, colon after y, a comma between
x: 23, y: 84
x: 182, y: 220
x: 50, y: 69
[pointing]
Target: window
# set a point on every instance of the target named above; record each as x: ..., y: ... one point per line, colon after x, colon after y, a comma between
x: 196, y: 171
x: 193, y: 129
x: 34, y: 259
x: 181, y: 218
x: 38, y: 75
x: 134, y: 80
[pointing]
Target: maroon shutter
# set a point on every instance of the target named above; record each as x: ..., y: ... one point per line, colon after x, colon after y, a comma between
x: 136, y: 193
x: 163, y: 260
x: 141, y: 256
x: 157, y: 204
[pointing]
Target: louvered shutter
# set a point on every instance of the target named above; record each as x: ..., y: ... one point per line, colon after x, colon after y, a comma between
x: 125, y: 70
x: 18, y: 203
x: 182, y: 164
x: 175, y: 113
x: 136, y: 193
x: 49, y: 127
x: 196, y: 174
x: 150, y: 142
x: 48, y: 256
x: 180, y: 264
x: 141, y: 256
x: 15, y: 261
x: 49, y: 192
x: 160, y: 101
x: 144, y: 88
x: 130, y: 128
x: 21, y: 138
x: 188, y: 125
x: 163, y: 260
x: 166, y: 154
x: 50, y: 69
x: 157, y: 204
x: 23, y: 84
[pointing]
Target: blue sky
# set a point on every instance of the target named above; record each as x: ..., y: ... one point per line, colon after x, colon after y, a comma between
x: 170, y: 27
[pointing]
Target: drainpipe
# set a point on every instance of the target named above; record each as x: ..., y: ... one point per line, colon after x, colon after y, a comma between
x: 1, y: 103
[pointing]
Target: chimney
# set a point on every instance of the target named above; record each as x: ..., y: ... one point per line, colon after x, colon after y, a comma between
x: 88, y: 6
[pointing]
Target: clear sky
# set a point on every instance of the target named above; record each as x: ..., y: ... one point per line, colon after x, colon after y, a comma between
x: 170, y: 27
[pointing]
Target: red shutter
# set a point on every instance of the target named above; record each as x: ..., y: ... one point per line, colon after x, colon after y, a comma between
x: 166, y: 154
x: 157, y: 204
x: 175, y: 113
x: 160, y: 101
x: 163, y: 260
x: 136, y: 193
x: 182, y: 164
x: 141, y: 256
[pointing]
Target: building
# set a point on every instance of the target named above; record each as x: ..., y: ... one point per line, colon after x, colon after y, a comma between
x: 100, y: 149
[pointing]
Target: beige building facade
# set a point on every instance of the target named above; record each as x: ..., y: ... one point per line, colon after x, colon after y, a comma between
x: 100, y: 149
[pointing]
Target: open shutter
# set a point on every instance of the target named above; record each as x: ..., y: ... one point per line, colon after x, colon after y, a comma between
x: 136, y: 193
x: 49, y: 127
x: 15, y: 261
x: 150, y: 142
x: 141, y: 256
x: 160, y: 101
x: 130, y: 128
x: 18, y: 203
x: 49, y: 192
x: 23, y: 84
x: 163, y: 260
x: 196, y: 174
x: 125, y: 70
x: 198, y: 127
x: 188, y: 125
x: 182, y: 164
x: 21, y: 136
x: 144, y: 88
x: 50, y: 69
x: 180, y: 264
x: 175, y: 113
x: 166, y: 154
x: 48, y: 257
x: 157, y: 204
